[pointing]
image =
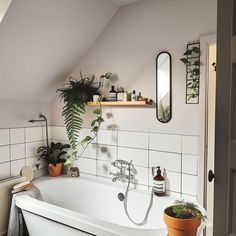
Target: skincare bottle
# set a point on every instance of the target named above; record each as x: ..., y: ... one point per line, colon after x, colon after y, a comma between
x: 133, y: 96
x: 112, y: 94
x: 120, y: 94
x: 159, y: 183
x: 125, y: 96
x: 139, y: 97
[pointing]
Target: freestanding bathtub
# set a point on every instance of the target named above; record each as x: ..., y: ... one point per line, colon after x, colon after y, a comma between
x: 80, y: 206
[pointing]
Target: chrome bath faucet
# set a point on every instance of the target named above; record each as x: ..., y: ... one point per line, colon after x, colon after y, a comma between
x: 123, y: 170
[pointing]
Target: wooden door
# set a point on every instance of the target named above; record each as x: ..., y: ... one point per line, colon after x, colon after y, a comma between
x: 225, y: 144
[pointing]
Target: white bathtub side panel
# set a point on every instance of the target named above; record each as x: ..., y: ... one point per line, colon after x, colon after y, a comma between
x: 48, y: 227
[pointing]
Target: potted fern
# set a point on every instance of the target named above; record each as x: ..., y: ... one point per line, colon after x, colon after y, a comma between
x: 75, y: 95
x: 55, y: 157
x: 183, y: 219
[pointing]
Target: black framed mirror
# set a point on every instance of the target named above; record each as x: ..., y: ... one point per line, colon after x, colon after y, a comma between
x: 163, y: 87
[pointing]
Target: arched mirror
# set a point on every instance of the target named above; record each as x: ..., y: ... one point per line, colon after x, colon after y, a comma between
x: 163, y: 87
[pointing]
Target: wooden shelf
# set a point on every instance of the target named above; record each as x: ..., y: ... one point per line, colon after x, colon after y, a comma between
x: 138, y: 103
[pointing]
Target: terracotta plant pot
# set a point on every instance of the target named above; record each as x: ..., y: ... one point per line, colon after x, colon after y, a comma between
x: 181, y: 227
x: 55, y: 171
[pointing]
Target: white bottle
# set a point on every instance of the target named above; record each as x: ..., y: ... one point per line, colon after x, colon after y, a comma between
x: 133, y: 96
x: 125, y: 98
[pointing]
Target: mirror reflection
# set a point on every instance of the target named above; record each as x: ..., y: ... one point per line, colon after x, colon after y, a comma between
x: 163, y: 90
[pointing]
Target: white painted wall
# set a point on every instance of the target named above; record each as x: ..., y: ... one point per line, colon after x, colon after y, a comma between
x: 17, y: 113
x: 128, y: 47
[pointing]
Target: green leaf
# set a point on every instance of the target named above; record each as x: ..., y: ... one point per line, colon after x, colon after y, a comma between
x: 184, y: 60
x: 196, y: 50
x: 188, y: 52
x: 93, y: 122
x: 108, y: 75
x: 95, y: 129
x: 97, y: 111
x: 196, y: 63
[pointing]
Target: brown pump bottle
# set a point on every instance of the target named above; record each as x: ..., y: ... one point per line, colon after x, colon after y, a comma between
x: 159, y: 183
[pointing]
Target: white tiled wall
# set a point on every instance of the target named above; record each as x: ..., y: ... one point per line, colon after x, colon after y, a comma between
x: 18, y: 147
x: 177, y: 154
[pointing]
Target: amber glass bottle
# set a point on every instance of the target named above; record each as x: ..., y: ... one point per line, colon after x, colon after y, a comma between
x: 159, y: 183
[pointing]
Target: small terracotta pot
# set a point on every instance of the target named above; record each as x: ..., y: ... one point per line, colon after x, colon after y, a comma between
x: 55, y: 171
x: 181, y: 227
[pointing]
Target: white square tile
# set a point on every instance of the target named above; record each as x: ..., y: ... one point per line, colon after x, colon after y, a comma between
x: 106, y: 152
x: 107, y: 137
x: 189, y: 198
x: 165, y: 142
x: 32, y: 162
x: 139, y: 156
x: 89, y: 152
x: 17, y: 136
x: 172, y: 180
x: 34, y: 134
x: 189, y: 164
x: 173, y: 194
x: 86, y: 165
x: 17, y: 151
x: 169, y: 161
x: 16, y: 167
x: 58, y: 133
x: 104, y: 168
x: 4, y: 171
x: 189, y: 184
x: 4, y: 137
x: 133, y: 139
x: 31, y: 148
x: 190, y: 145
x: 4, y: 154
x: 141, y: 175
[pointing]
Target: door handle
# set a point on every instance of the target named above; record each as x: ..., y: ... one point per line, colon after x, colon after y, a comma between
x: 211, y: 175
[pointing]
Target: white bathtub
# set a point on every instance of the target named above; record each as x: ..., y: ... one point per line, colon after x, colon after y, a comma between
x: 80, y: 206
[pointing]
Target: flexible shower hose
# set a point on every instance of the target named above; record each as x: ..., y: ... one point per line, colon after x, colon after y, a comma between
x: 126, y: 202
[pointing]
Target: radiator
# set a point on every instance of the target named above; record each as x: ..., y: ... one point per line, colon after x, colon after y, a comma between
x: 5, y: 202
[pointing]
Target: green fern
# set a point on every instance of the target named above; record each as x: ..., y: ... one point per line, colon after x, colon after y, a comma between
x: 75, y: 95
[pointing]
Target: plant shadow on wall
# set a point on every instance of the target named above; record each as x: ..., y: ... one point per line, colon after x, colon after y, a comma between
x: 75, y: 95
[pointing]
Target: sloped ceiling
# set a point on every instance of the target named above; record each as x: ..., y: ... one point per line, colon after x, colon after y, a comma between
x: 41, y: 41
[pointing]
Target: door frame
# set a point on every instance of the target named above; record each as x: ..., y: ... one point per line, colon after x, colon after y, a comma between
x: 205, y: 42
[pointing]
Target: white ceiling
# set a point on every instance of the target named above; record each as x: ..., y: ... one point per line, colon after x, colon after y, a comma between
x: 41, y: 41
x: 124, y: 2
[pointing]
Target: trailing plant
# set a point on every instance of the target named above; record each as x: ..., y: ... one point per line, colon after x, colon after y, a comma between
x: 75, y: 95
x: 192, y: 63
x: 186, y: 210
x: 53, y: 154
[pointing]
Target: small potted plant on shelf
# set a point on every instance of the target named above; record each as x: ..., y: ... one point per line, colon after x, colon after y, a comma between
x: 183, y: 219
x: 55, y: 156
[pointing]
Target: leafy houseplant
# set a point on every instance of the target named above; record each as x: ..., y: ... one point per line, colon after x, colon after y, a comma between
x: 183, y: 219
x: 192, y: 62
x: 75, y: 95
x: 54, y: 155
